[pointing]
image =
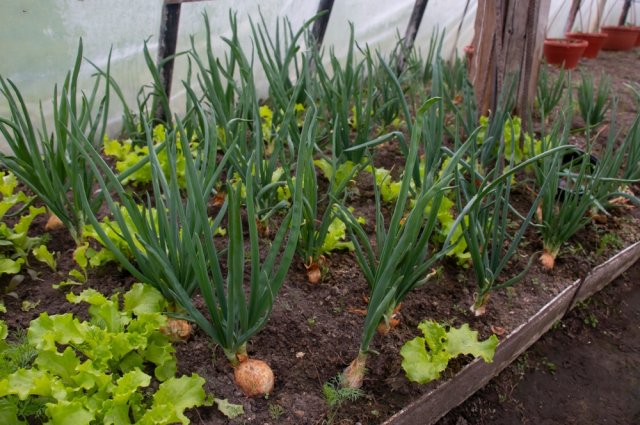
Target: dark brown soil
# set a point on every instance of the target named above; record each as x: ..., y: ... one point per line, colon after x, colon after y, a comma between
x: 585, y: 371
x: 314, y: 331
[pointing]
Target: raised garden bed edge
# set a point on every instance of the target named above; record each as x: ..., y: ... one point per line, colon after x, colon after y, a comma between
x: 439, y: 401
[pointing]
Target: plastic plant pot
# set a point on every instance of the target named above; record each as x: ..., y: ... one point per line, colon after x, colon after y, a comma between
x: 595, y: 40
x: 637, y: 39
x: 564, y: 51
x: 572, y: 162
x: 620, y: 38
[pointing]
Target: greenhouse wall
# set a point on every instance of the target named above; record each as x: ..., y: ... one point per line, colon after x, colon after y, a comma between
x: 39, y: 38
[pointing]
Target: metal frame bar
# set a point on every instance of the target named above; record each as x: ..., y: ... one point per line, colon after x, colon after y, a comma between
x: 411, y: 33
x: 625, y: 12
x: 320, y: 25
x: 168, y: 41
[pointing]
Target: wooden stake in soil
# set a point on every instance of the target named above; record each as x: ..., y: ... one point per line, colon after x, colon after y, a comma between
x: 508, y: 40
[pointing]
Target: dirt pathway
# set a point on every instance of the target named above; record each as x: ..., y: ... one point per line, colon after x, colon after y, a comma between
x: 585, y: 371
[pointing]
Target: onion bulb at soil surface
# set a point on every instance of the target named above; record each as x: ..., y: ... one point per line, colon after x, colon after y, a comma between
x: 353, y: 375
x: 316, y: 269
x: 548, y: 260
x: 177, y: 329
x: 479, y: 307
x: 254, y: 377
x: 54, y: 223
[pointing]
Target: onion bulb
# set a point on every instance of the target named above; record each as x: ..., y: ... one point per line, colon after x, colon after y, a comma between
x: 548, y: 260
x: 254, y: 377
x: 353, y: 375
x: 479, y: 307
x: 54, y: 223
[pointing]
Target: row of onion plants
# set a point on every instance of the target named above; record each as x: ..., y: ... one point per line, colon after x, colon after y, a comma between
x: 232, y: 197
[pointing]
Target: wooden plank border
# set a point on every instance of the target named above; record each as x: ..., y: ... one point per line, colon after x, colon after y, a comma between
x: 438, y: 402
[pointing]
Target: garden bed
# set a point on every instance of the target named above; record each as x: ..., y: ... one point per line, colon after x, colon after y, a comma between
x: 314, y: 331
x: 435, y: 404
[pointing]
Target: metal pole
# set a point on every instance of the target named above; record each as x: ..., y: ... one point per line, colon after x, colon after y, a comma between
x: 625, y: 11
x: 573, y: 12
x: 320, y: 25
x: 169, y: 23
x: 412, y: 31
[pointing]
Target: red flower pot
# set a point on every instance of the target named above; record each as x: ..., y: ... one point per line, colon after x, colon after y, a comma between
x: 595, y: 40
x: 469, y: 51
x: 620, y: 38
x: 564, y: 51
x: 637, y: 39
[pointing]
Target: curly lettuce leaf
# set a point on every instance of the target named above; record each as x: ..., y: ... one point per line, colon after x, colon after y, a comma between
x: 173, y: 397
x: 425, y: 358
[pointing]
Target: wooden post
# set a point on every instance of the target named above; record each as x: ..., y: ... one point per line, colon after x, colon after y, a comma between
x: 573, y: 12
x: 509, y: 35
x: 599, y: 15
x: 625, y: 12
x: 412, y: 31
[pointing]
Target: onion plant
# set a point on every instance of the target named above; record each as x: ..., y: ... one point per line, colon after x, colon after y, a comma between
x: 572, y: 185
x: 46, y: 160
x: 593, y: 103
x: 401, y: 257
x: 347, y: 94
x: 234, y: 106
x: 549, y: 93
x: 619, y: 163
x: 562, y: 216
x: 320, y: 214
x: 483, y: 198
x: 175, y: 250
x: 281, y: 59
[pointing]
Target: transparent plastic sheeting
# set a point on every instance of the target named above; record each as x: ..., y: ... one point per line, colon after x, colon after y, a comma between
x: 39, y: 38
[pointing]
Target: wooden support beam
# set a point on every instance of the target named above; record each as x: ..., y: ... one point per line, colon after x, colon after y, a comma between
x: 625, y: 12
x: 412, y: 31
x: 599, y: 15
x: 508, y: 40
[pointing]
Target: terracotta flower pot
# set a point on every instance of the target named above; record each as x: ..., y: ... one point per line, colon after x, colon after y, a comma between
x: 620, y: 38
x: 564, y: 51
x: 595, y: 40
x: 469, y: 51
x: 637, y: 39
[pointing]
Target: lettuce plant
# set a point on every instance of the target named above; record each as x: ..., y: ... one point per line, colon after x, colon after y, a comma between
x: 15, y: 243
x: 425, y: 358
x: 101, y: 370
x: 132, y: 158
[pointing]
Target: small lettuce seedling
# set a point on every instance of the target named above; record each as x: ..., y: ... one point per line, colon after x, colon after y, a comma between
x: 15, y: 244
x: 424, y: 358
